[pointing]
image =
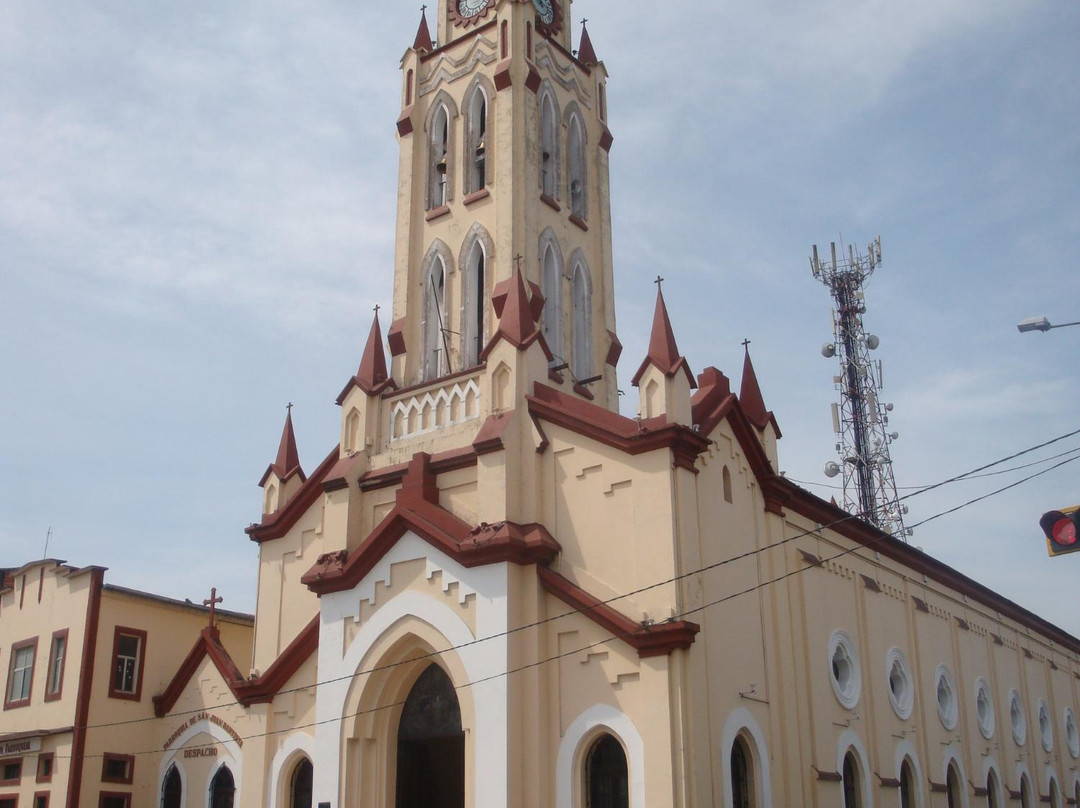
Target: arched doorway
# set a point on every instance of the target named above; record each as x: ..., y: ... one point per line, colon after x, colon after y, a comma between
x: 172, y: 790
x: 606, y: 782
x: 222, y: 789
x: 300, y: 785
x: 741, y: 783
x: 852, y: 782
x: 431, y: 745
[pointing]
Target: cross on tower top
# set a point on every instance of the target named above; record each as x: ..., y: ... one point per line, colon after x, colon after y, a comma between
x: 517, y: 261
x: 288, y: 408
x: 213, y: 600
x: 658, y: 281
x: 746, y: 343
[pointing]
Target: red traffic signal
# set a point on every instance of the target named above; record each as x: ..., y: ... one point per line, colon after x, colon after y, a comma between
x: 1062, y: 530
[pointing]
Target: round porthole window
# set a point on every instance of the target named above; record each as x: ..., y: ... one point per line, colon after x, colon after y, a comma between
x: 844, y: 669
x: 1072, y: 734
x: 984, y: 708
x: 1046, y: 727
x: 1017, y: 718
x: 945, y: 691
x: 901, y: 693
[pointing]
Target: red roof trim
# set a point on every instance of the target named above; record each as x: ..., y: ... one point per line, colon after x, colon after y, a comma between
x: 207, y: 645
x: 659, y: 639
x: 265, y: 687
x: 277, y: 524
x: 610, y: 428
x: 440, y: 464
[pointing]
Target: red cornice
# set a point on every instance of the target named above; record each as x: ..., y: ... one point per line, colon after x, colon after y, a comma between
x: 207, y: 645
x: 658, y: 639
x: 441, y: 463
x: 263, y: 689
x: 277, y: 524
x: 627, y: 434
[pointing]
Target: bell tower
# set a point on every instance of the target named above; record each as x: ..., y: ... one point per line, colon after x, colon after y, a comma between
x: 503, y: 166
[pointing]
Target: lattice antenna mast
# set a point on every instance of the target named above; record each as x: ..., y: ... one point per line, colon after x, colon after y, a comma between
x: 860, y: 419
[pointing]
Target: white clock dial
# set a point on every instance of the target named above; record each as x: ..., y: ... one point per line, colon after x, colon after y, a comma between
x: 546, y: 10
x: 470, y: 8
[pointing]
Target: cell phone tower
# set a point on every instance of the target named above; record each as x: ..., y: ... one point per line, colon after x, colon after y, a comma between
x: 860, y: 418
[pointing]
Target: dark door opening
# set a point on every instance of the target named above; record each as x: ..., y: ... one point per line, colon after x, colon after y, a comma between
x: 431, y: 745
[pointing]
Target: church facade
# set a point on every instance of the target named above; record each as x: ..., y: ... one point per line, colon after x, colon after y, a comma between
x: 496, y: 590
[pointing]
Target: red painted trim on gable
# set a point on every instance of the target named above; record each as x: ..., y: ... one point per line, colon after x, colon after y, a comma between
x: 658, y: 639
x: 277, y: 524
x: 208, y: 644
x: 40, y: 583
x: 469, y: 546
x: 264, y: 688
x: 612, y: 429
x: 86, y: 683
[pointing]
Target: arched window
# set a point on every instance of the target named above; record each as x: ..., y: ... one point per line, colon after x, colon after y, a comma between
x: 222, y: 789
x: 582, y: 296
x: 1076, y: 793
x: 438, y: 159
x: 576, y: 168
x: 431, y: 745
x: 1055, y: 795
x: 1025, y: 792
x: 606, y: 779
x: 300, y: 785
x: 474, y: 302
x: 851, y: 782
x: 907, y: 785
x: 476, y: 173
x: 433, y: 361
x: 742, y: 781
x: 549, y: 147
x: 552, y: 289
x: 952, y: 787
x: 727, y: 485
x: 172, y: 790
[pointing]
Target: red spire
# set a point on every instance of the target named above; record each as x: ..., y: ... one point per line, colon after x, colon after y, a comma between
x: 663, y: 352
x: 585, y: 54
x: 372, y: 370
x: 288, y: 459
x: 517, y: 323
x: 423, y: 43
x: 753, y: 404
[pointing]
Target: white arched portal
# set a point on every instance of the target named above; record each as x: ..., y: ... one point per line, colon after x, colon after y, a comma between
x: 292, y: 749
x: 741, y: 722
x: 586, y: 728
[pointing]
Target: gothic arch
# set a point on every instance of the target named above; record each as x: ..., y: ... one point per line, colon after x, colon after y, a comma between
x: 551, y: 286
x: 576, y: 163
x: 548, y: 121
x: 906, y: 753
x: 439, y: 137
x: 850, y: 743
x: 294, y: 748
x: 581, y: 358
x: 476, y: 260
x: 435, y: 279
x: 1053, y: 788
x: 172, y: 794
x: 478, y: 172
x: 596, y: 721
x: 742, y: 726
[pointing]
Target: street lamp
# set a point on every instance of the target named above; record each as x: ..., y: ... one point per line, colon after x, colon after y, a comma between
x: 1039, y: 324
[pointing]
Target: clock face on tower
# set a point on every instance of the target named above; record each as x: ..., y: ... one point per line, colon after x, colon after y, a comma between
x: 468, y: 12
x: 548, y: 16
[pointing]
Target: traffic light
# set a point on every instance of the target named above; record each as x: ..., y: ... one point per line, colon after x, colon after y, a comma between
x: 1062, y: 529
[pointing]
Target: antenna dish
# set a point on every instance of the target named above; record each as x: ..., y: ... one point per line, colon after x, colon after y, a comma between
x: 828, y: 350
x: 831, y: 469
x: 872, y: 342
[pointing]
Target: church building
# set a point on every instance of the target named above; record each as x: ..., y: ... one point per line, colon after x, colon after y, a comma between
x: 496, y: 590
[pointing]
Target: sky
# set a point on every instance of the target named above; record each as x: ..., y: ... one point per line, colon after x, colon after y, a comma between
x: 197, y: 217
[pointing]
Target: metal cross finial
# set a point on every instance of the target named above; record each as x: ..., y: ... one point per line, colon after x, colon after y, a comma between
x: 517, y: 261
x: 583, y: 21
x: 658, y: 281
x: 423, y: 8
x: 746, y: 343
x: 213, y: 600
x: 377, y: 307
x: 288, y: 408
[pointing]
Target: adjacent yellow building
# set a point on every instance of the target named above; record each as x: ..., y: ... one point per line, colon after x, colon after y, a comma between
x: 495, y: 590
x: 83, y: 660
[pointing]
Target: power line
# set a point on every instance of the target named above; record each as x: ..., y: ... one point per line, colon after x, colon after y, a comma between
x: 674, y: 579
